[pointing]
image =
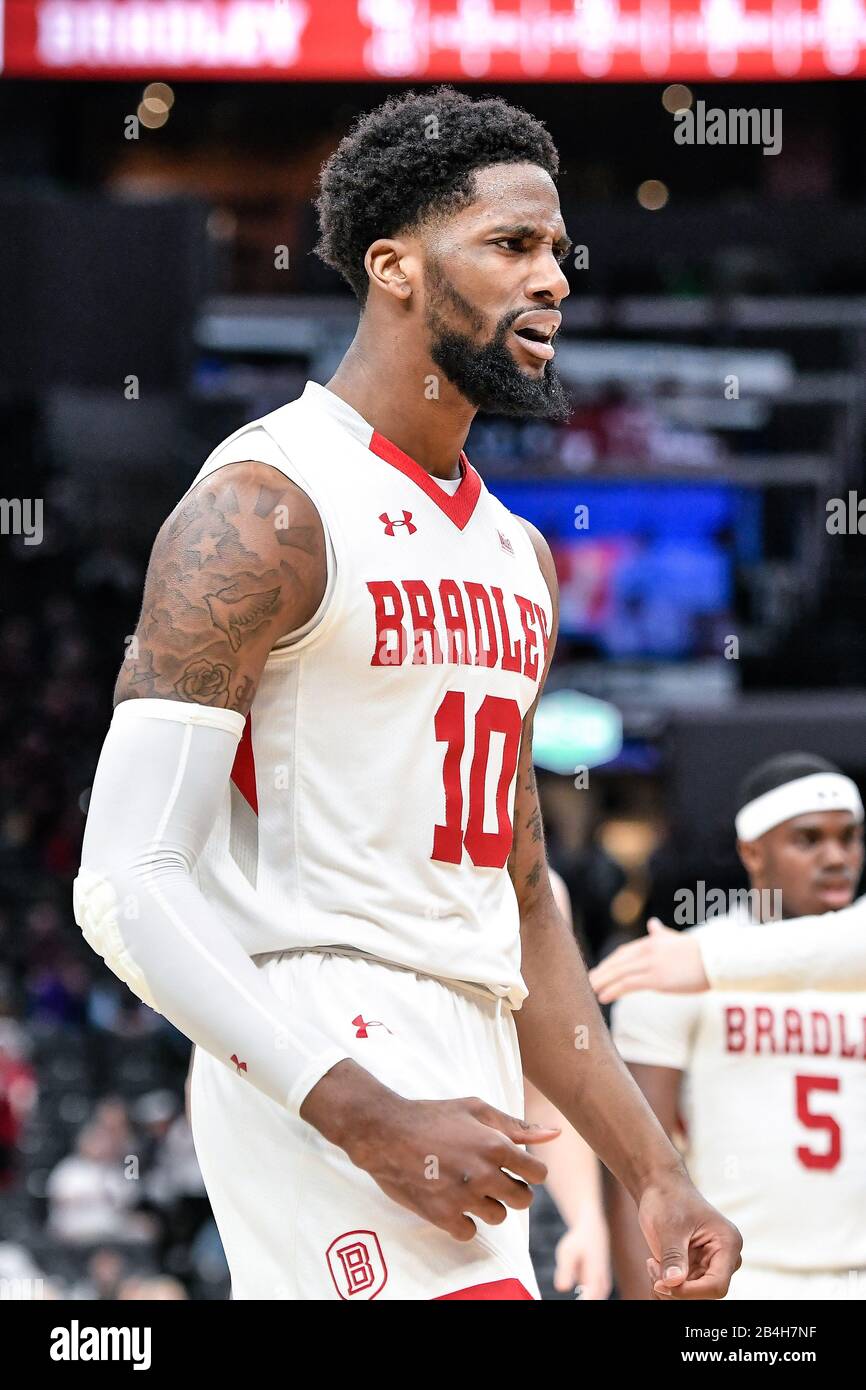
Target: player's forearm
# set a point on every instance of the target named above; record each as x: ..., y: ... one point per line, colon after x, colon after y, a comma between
x: 160, y: 782
x: 827, y: 952
x: 568, y: 1054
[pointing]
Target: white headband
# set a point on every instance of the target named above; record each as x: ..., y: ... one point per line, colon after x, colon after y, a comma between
x: 820, y: 791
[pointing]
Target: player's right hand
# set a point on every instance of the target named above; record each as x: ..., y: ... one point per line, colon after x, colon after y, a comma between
x: 445, y: 1160
x: 694, y: 1249
x: 664, y: 960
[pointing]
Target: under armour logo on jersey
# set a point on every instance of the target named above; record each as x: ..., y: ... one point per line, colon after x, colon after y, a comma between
x: 241, y: 1066
x: 362, y: 1027
x: 407, y: 521
x: 505, y: 543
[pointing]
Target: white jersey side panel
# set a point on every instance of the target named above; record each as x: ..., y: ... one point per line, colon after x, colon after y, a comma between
x: 773, y: 1107
x: 373, y: 794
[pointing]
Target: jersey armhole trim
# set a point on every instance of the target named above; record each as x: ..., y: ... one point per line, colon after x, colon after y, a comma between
x: 315, y: 628
x: 293, y: 640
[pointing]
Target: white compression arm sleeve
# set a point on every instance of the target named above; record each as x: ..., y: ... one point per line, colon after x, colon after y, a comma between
x: 827, y: 952
x: 159, y: 784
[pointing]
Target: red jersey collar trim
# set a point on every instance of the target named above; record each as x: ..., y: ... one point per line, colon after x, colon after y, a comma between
x: 459, y: 505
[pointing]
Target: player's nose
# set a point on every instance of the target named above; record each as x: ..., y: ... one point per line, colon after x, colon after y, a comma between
x: 549, y: 282
x: 836, y: 852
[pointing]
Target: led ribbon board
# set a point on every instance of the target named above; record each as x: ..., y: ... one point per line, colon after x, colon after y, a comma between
x: 458, y: 40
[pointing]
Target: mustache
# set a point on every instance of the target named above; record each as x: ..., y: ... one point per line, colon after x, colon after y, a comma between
x: 447, y: 293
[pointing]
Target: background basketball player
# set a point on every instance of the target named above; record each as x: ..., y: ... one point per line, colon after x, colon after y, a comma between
x: 769, y: 1093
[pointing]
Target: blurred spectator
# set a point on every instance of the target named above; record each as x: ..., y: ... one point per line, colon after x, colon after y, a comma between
x: 57, y: 993
x: 174, y: 1187
x: 106, y: 1270
x: 208, y: 1261
x: 17, y: 1096
x: 21, y: 1279
x: 89, y: 1197
x: 626, y: 426
x: 113, y: 1008
x: 161, y: 1287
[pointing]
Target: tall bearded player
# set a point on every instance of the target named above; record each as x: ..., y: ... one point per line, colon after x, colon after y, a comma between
x: 314, y: 841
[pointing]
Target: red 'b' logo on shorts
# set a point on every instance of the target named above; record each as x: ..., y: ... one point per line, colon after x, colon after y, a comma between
x: 357, y: 1265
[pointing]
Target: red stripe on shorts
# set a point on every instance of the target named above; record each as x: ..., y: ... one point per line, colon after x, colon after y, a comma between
x: 497, y: 1291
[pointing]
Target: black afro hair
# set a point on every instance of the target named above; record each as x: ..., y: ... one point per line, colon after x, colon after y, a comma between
x: 398, y: 166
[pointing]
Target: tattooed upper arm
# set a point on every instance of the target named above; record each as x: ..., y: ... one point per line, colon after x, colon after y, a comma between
x: 239, y: 563
x: 527, y: 863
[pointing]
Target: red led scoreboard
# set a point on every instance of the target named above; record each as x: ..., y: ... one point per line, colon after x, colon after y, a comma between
x: 493, y: 40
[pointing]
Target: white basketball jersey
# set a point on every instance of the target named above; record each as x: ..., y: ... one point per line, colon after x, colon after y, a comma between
x: 773, y: 1106
x: 372, y: 798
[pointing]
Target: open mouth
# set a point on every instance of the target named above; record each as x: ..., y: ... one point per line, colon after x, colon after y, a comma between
x: 536, y: 341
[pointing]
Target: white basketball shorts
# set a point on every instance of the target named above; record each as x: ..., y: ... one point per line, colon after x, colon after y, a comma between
x: 762, y: 1283
x: 297, y: 1219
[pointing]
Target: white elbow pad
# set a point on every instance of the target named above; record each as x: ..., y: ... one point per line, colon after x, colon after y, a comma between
x: 96, y: 908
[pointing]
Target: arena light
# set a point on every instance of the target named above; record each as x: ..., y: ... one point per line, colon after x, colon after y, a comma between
x: 574, y: 731
x: 156, y: 106
x: 677, y: 97
x: 151, y: 119
x: 652, y: 194
x: 158, y: 96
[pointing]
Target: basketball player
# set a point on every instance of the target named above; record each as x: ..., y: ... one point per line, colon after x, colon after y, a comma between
x: 826, y: 952
x: 314, y: 841
x: 769, y: 1092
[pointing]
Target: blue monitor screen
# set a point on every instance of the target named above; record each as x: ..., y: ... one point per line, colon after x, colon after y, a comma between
x: 646, y: 570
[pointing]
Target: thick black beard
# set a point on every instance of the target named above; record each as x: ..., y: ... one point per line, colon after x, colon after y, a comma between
x: 488, y: 376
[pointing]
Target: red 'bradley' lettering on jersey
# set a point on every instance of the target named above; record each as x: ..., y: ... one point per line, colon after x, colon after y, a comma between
x: 437, y: 631
x: 768, y: 1030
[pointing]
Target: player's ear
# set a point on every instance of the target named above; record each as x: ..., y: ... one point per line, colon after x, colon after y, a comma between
x: 750, y: 856
x: 388, y: 265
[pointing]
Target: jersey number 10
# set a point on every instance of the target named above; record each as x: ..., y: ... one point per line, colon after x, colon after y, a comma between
x: 488, y: 849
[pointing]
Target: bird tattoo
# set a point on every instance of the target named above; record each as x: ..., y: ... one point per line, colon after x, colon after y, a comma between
x: 235, y: 613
